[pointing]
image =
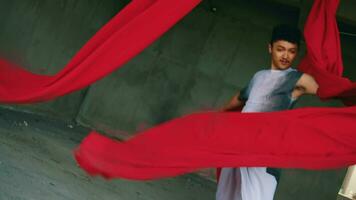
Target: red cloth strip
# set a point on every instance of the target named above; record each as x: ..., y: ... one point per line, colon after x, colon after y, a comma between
x: 139, y: 24
x: 310, y: 138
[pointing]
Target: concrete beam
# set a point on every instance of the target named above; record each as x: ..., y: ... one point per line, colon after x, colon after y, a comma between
x: 346, y: 12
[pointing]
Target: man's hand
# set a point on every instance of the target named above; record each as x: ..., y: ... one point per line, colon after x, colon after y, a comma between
x: 308, y: 84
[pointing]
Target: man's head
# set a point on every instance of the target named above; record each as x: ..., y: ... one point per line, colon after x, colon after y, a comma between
x: 284, y: 46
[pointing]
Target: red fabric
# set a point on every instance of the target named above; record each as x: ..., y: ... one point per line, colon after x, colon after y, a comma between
x: 323, y: 60
x: 310, y: 138
x: 106, y: 51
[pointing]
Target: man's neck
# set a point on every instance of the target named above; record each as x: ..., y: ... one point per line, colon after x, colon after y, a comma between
x: 276, y: 68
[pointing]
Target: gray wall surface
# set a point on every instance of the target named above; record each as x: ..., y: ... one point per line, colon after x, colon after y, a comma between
x: 43, y: 35
x: 197, y: 65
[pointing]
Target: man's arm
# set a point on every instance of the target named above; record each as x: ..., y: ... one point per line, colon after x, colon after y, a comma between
x: 234, y: 103
x: 308, y: 84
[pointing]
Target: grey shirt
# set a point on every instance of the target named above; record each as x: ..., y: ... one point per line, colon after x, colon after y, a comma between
x: 270, y: 90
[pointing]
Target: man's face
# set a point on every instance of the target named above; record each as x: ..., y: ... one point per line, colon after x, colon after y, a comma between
x: 283, y: 54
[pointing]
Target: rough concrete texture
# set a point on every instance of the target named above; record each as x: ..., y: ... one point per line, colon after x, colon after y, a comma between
x: 345, y: 13
x: 42, y: 36
x: 307, y: 184
x: 36, y: 163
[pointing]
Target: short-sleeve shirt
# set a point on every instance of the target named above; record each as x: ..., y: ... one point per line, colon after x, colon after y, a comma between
x: 270, y: 90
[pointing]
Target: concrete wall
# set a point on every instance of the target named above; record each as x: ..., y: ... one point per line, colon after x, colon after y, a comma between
x: 198, y: 65
x: 346, y: 11
x: 44, y: 35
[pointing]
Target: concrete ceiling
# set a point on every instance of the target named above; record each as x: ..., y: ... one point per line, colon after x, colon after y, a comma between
x: 346, y: 12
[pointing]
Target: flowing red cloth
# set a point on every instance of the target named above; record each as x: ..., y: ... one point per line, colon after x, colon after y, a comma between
x: 323, y: 60
x: 128, y: 33
x: 310, y: 138
x: 302, y: 138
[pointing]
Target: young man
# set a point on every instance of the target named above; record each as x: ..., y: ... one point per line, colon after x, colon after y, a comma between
x: 269, y: 90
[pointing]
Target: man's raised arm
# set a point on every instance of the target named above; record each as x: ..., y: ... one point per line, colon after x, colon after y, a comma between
x: 308, y: 83
x: 235, y: 103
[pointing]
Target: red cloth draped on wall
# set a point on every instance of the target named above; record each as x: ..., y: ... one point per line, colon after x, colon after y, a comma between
x: 312, y: 138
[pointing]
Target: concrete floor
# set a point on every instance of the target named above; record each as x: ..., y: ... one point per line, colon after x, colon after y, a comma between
x: 36, y: 163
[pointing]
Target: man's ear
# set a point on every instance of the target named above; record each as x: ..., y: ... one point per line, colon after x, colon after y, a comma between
x: 269, y: 48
